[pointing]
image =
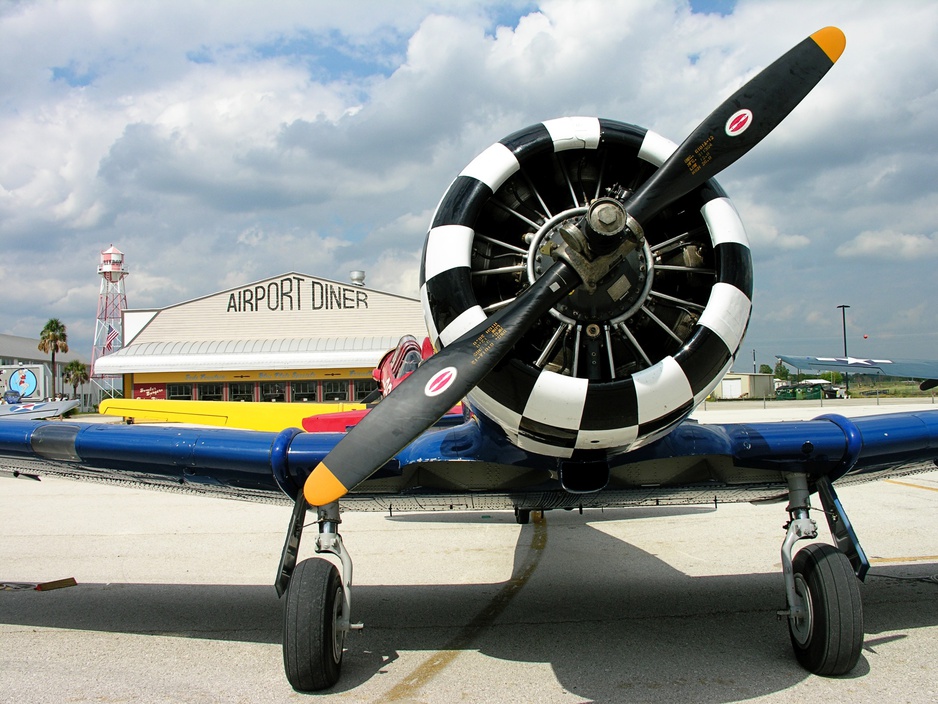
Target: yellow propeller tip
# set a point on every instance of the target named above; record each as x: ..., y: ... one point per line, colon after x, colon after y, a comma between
x: 832, y: 41
x: 322, y: 487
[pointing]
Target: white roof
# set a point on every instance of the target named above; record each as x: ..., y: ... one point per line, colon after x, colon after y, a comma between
x: 230, y: 355
x: 26, y: 350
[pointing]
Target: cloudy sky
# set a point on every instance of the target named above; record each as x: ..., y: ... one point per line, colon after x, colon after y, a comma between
x: 216, y: 144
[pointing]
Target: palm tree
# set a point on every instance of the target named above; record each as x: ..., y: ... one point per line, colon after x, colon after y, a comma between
x: 53, y: 338
x: 75, y: 373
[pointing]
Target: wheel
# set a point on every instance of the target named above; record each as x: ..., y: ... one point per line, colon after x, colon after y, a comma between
x: 312, y: 641
x: 522, y: 516
x: 828, y: 639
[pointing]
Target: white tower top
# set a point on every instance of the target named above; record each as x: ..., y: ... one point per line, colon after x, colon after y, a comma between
x: 109, y: 327
x: 112, y: 264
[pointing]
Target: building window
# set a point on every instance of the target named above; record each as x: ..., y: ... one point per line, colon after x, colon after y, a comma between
x: 242, y: 391
x: 335, y: 390
x: 179, y: 392
x: 303, y: 391
x: 363, y: 387
x: 274, y: 391
x: 210, y: 392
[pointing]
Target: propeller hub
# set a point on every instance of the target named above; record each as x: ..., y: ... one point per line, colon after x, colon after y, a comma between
x: 617, y: 279
x: 606, y: 217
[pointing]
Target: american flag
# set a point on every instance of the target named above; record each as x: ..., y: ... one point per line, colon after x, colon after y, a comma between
x: 111, y: 336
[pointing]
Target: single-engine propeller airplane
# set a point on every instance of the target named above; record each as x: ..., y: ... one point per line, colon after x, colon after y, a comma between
x: 922, y: 369
x: 586, y: 283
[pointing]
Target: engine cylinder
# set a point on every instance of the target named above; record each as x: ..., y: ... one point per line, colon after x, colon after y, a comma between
x: 608, y: 369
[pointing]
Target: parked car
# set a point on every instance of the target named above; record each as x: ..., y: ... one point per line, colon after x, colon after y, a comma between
x: 805, y: 392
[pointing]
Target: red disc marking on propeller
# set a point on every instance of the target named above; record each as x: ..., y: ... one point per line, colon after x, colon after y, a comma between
x: 440, y: 381
x: 739, y: 122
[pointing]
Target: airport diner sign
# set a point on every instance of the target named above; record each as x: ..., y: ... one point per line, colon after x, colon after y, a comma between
x: 296, y: 293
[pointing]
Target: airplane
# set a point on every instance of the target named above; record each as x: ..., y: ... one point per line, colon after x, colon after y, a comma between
x: 909, y: 368
x: 13, y: 405
x: 587, y: 283
x: 396, y: 365
x: 36, y: 410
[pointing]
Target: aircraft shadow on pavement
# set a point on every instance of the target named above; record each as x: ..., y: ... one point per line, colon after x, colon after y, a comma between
x: 609, y: 618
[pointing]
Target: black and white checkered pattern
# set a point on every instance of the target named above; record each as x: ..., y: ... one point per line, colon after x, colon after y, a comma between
x: 550, y: 413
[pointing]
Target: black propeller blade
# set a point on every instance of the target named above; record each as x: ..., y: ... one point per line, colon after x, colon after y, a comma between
x: 440, y: 382
x: 435, y: 387
x: 740, y: 122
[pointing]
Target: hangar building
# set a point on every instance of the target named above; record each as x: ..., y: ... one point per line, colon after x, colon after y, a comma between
x: 23, y: 368
x: 745, y: 385
x: 292, y: 337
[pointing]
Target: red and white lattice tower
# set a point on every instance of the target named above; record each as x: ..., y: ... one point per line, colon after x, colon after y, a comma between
x: 112, y: 300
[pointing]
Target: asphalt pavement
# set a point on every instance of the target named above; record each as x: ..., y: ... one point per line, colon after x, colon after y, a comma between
x: 174, y: 600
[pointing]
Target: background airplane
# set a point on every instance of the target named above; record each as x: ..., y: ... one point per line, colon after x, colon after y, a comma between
x: 14, y: 406
x: 36, y: 410
x: 909, y: 368
x: 587, y: 283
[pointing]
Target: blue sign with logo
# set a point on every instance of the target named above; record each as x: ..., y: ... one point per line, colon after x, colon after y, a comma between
x: 24, y: 381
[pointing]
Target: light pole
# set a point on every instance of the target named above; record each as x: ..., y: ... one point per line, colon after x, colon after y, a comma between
x: 843, y: 315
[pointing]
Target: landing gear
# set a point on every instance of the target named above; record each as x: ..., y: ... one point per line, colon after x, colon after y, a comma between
x: 313, y: 637
x: 825, y: 614
x: 828, y: 637
x: 522, y: 516
x: 317, y: 613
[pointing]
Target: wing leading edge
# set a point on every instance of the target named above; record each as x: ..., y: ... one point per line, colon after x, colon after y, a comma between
x: 471, y: 466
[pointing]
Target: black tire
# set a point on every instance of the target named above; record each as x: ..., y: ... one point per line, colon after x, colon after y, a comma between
x: 312, y: 646
x: 829, y: 639
x: 522, y: 516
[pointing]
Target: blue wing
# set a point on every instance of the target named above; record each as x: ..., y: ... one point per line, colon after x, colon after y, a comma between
x: 911, y: 368
x: 473, y: 466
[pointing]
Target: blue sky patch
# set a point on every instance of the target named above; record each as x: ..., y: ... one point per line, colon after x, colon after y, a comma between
x: 202, y: 55
x: 710, y: 7
x: 331, y: 56
x: 73, y: 75
x: 509, y: 15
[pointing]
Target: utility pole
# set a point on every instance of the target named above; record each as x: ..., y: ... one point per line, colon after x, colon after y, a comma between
x: 843, y: 315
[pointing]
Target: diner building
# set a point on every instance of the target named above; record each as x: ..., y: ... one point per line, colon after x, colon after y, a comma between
x: 289, y: 338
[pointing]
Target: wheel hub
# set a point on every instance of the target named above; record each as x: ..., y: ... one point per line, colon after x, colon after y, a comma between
x: 338, y: 634
x: 801, y: 626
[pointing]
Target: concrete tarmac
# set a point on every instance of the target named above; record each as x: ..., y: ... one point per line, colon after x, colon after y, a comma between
x: 174, y: 600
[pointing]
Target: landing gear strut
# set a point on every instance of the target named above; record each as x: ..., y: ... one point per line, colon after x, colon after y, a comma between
x: 316, y: 617
x: 825, y: 614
